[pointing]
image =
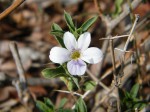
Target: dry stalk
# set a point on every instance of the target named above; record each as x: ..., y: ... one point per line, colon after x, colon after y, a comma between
x: 21, y: 84
x: 11, y: 8
x: 116, y: 77
x: 131, y: 32
x: 115, y: 37
x: 97, y: 80
x: 74, y: 93
x: 14, y: 50
x: 112, y: 24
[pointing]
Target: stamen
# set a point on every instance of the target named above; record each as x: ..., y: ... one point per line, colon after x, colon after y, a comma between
x: 75, y: 55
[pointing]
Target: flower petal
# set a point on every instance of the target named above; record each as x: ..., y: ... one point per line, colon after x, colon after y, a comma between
x: 70, y: 41
x: 84, y: 41
x: 92, y: 55
x: 76, y: 67
x: 59, y: 55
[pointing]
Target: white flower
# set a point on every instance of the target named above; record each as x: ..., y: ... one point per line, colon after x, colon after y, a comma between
x: 75, y: 53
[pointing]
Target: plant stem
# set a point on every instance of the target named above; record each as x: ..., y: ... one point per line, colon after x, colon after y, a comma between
x: 14, y: 5
x: 133, y: 27
x: 115, y: 76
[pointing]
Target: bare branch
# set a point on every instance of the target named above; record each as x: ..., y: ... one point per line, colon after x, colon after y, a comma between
x: 14, y: 50
x: 13, y: 6
x: 113, y: 24
x: 97, y: 81
x: 115, y: 75
x: 133, y: 27
x: 115, y: 37
x: 74, y: 93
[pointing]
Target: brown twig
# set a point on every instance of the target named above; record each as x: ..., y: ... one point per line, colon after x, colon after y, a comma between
x: 113, y: 61
x: 115, y: 75
x: 83, y: 96
x: 97, y: 81
x: 115, y: 37
x: 13, y: 6
x: 21, y: 84
x: 112, y: 24
x: 131, y: 32
x: 118, y: 64
x: 68, y: 92
x: 14, y: 50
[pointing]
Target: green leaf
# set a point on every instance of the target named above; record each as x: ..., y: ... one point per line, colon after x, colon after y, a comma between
x: 58, y: 33
x: 42, y: 107
x: 89, y: 85
x: 62, y: 102
x: 69, y: 21
x: 75, y: 33
x: 60, y: 41
x: 134, y: 90
x: 69, y: 83
x: 135, y: 99
x: 79, y: 30
x: 86, y: 25
x: 140, y: 106
x: 127, y: 95
x: 53, y: 73
x: 80, y: 105
x: 56, y: 27
x: 118, y: 8
x: 76, y: 82
x: 49, y: 103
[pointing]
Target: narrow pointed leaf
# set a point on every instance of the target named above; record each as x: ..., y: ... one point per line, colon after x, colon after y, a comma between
x: 56, y: 27
x: 42, y: 107
x: 63, y: 102
x: 86, y: 25
x: 134, y: 90
x: 49, y: 103
x: 89, y: 85
x: 69, y: 21
x: 53, y: 73
x: 58, y: 33
x: 80, y: 106
x: 118, y: 7
x: 140, y: 106
x: 76, y: 82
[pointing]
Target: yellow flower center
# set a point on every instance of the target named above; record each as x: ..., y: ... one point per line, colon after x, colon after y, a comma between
x: 75, y: 55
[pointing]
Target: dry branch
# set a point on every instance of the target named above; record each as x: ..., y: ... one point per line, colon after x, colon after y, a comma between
x: 14, y: 50
x: 116, y: 77
x: 21, y: 84
x: 11, y: 8
x: 113, y: 24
